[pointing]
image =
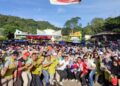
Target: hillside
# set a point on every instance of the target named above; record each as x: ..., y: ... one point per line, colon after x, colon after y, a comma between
x: 11, y: 23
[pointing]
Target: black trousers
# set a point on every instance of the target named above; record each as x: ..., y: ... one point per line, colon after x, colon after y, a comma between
x: 77, y: 75
x: 70, y: 75
x: 63, y: 74
x: 83, y: 79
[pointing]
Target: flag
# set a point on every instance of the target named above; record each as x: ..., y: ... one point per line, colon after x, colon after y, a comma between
x: 64, y: 2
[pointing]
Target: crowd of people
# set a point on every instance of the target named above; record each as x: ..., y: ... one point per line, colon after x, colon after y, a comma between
x: 45, y: 65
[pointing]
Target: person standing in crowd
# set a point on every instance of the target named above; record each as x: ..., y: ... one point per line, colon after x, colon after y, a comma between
x: 21, y: 68
x: 36, y: 81
x: 61, y: 69
x: 46, y: 63
x: 52, y: 68
x: 26, y: 75
x: 70, y: 69
x: 91, y: 67
x: 84, y: 70
x: 98, y: 61
x: 79, y: 65
x: 8, y: 69
x: 113, y: 74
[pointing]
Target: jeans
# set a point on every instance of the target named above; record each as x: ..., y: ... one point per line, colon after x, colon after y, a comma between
x: 26, y: 76
x: 36, y: 81
x: 46, y: 76
x: 18, y: 81
x: 92, y: 73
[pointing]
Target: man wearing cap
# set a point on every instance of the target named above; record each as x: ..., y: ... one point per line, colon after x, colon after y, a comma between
x: 10, y: 66
x: 26, y: 75
x: 21, y: 67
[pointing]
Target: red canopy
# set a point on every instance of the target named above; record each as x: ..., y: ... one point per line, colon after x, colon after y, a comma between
x: 39, y: 37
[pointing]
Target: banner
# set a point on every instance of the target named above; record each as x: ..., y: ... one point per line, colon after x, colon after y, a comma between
x: 64, y: 2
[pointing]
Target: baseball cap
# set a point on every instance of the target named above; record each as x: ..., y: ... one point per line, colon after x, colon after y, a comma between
x: 26, y: 54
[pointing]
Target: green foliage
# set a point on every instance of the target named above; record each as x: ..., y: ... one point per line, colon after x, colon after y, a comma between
x: 11, y: 23
x: 87, y: 30
x: 112, y: 24
x: 66, y: 31
x: 72, y: 25
x: 98, y: 25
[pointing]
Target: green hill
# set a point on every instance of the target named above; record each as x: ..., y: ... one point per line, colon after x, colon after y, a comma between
x: 11, y: 23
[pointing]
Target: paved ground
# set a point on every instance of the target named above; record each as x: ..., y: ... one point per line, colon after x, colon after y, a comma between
x: 75, y: 83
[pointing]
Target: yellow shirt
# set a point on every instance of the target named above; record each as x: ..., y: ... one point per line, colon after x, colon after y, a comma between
x: 37, y: 69
x: 11, y: 65
x: 52, y: 67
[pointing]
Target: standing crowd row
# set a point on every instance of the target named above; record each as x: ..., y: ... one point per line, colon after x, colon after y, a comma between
x: 37, y: 65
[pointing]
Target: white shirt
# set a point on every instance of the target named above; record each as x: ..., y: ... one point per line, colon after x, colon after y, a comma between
x: 63, y: 66
x: 91, y: 63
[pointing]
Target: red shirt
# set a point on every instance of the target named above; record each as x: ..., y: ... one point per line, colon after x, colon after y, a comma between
x: 85, y: 69
x: 75, y: 66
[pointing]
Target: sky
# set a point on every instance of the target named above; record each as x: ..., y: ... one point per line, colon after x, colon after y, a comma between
x: 58, y: 14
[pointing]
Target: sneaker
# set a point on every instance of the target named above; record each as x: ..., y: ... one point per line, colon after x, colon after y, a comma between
x: 61, y: 83
x: 76, y: 80
x: 52, y: 83
x: 72, y: 80
x: 63, y: 80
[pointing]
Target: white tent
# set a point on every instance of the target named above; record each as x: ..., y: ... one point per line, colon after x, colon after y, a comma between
x: 18, y: 34
x: 49, y: 32
x: 40, y: 32
x: 75, y: 39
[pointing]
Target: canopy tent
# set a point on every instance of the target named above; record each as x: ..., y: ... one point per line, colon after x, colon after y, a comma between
x: 49, y: 32
x: 37, y: 37
x: 106, y: 36
x: 75, y: 40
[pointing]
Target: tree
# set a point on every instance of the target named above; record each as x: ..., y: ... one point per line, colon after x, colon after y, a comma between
x: 72, y: 25
x: 88, y: 30
x: 112, y: 24
x: 97, y: 25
